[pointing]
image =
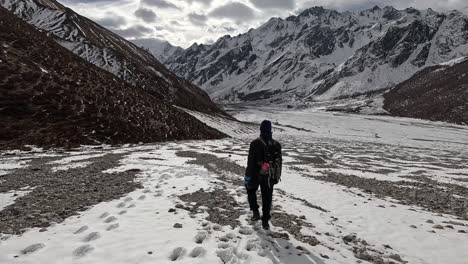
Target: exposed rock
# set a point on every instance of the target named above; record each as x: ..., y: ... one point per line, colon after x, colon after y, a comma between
x: 53, y: 98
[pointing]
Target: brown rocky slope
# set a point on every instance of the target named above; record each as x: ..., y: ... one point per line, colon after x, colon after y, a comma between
x: 111, y: 52
x: 51, y: 97
x: 437, y: 93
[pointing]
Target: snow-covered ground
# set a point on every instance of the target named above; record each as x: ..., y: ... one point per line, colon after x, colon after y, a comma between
x: 352, y: 225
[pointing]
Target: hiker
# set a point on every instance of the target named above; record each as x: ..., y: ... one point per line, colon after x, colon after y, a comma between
x: 264, y: 170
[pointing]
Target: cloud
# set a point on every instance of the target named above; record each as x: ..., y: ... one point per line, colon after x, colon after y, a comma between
x: 146, y: 15
x: 136, y: 31
x: 184, y: 21
x: 235, y: 11
x: 205, y: 2
x: 160, y: 4
x: 197, y: 19
x: 112, y: 21
x: 277, y: 4
x: 176, y: 23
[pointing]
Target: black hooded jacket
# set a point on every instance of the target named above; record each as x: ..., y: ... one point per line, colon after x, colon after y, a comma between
x: 257, y: 155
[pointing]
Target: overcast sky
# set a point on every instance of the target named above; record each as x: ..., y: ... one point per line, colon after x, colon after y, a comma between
x: 183, y: 22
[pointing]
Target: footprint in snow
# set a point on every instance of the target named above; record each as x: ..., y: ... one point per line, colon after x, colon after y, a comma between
x: 121, y: 205
x: 146, y: 191
x: 177, y: 254
x: 217, y: 227
x: 122, y: 212
x: 81, y: 230
x: 198, y: 252
x: 226, y: 255
x: 82, y: 250
x: 250, y: 247
x: 104, y: 215
x: 91, y: 237
x: 112, y: 227
x: 223, y: 245
x: 224, y: 239
x: 245, y: 230
x: 110, y: 219
x: 200, y: 237
x: 142, y: 197
x: 128, y: 199
x: 32, y: 248
x: 131, y: 206
x: 231, y: 235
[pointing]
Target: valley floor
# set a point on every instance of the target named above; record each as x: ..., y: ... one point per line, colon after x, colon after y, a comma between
x: 355, y: 189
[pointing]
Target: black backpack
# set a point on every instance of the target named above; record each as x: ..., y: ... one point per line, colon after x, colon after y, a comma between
x: 273, y: 159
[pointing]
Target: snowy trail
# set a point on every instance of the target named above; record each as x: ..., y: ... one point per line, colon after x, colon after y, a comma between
x: 340, y: 201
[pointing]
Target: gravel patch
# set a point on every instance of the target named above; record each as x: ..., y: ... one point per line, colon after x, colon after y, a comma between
x: 434, y: 196
x: 217, y: 165
x: 61, y: 194
x: 222, y: 207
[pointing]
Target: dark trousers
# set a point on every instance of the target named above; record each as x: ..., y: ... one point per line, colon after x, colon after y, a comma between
x: 267, y: 196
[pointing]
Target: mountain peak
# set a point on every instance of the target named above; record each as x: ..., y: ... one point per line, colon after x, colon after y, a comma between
x: 323, y: 54
x: 316, y: 10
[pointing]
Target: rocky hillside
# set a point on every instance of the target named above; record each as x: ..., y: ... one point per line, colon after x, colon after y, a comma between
x: 51, y: 97
x: 438, y: 93
x: 323, y: 54
x: 110, y: 52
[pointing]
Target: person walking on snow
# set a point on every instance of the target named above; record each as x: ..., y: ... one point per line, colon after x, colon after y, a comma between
x: 264, y: 170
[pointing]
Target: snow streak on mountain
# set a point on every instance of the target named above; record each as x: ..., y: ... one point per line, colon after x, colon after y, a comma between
x: 110, y: 52
x: 324, y: 54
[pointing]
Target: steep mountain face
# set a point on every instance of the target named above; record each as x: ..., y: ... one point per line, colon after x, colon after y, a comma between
x: 110, y: 52
x: 161, y: 49
x: 51, y: 97
x: 438, y: 93
x: 323, y: 54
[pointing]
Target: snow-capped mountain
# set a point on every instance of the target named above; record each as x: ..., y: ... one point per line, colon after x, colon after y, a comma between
x: 160, y: 49
x: 110, y: 52
x: 322, y: 54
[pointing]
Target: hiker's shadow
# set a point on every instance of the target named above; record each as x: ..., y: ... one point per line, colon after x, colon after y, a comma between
x: 281, y: 251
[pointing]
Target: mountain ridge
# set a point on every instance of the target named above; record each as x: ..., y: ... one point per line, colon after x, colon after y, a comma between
x: 322, y: 54
x: 111, y: 52
x: 49, y: 98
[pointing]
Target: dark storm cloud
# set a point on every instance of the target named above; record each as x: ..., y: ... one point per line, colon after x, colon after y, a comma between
x: 197, y: 19
x: 262, y: 4
x: 133, y: 31
x: 146, y: 15
x: 235, y: 11
x: 112, y: 21
x: 160, y: 4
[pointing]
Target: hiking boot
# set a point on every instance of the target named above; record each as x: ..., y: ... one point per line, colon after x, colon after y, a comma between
x: 255, y: 216
x: 265, y: 225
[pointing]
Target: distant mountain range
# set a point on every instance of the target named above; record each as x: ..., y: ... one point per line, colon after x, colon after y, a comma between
x: 110, y: 52
x: 323, y: 54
